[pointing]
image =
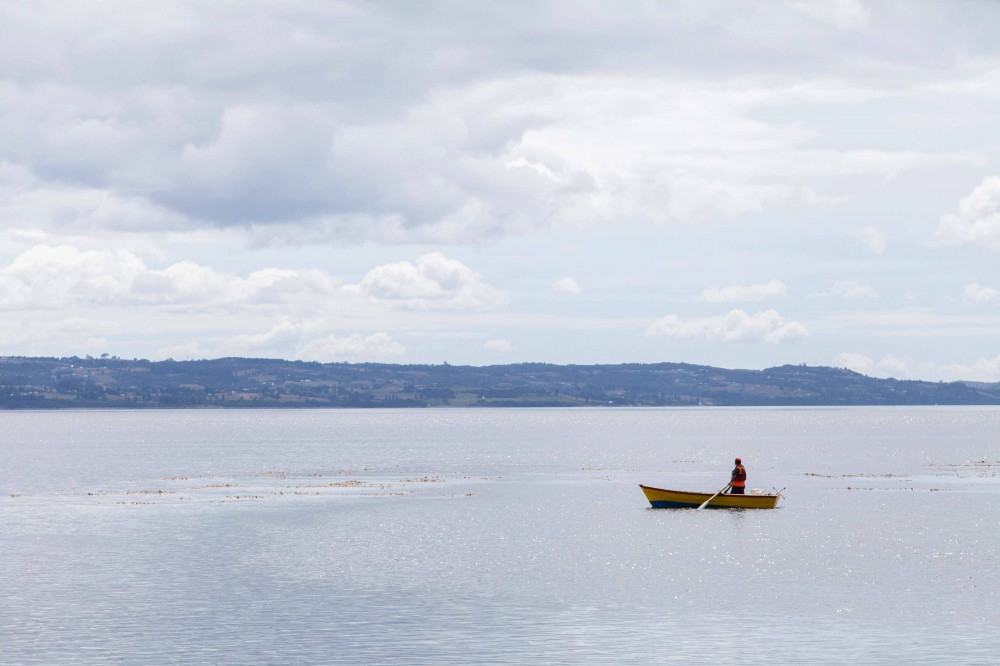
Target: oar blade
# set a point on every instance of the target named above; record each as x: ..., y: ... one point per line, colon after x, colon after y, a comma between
x: 712, y: 497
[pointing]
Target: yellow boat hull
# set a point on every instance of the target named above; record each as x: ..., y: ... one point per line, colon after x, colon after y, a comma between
x: 661, y: 498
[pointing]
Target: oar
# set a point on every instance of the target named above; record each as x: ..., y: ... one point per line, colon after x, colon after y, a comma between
x: 714, y: 496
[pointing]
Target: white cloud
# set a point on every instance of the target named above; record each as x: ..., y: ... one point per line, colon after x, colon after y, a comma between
x: 986, y: 368
x: 736, y: 326
x: 435, y: 281
x: 30, y: 203
x: 983, y: 369
x: 856, y: 362
x: 280, y: 336
x: 977, y: 221
x: 743, y: 294
x: 301, y: 304
x: 888, y: 366
x: 499, y: 346
x: 277, y: 285
x: 181, y: 352
x: 975, y: 293
x: 850, y: 289
x: 567, y: 285
x: 245, y: 128
x: 853, y: 289
x: 376, y: 346
x: 49, y: 277
x: 873, y: 239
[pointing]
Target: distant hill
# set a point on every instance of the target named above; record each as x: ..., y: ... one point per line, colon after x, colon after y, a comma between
x: 111, y: 382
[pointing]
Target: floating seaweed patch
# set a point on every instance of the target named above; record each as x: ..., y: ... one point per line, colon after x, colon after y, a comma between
x: 893, y: 490
x: 238, y: 498
x: 871, y: 476
x: 855, y: 475
x: 350, y: 483
x: 976, y: 469
x: 268, y: 486
x: 424, y: 479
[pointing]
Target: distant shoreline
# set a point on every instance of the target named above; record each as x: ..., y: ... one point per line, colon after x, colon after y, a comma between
x: 45, y: 383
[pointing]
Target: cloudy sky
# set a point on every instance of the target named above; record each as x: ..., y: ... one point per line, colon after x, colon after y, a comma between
x: 736, y: 183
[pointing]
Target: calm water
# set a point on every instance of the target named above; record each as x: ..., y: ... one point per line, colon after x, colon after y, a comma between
x: 495, y: 536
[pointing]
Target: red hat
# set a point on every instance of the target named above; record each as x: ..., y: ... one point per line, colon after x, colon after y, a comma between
x: 738, y: 460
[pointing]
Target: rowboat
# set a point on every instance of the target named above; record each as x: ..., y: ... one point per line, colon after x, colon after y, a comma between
x: 661, y: 498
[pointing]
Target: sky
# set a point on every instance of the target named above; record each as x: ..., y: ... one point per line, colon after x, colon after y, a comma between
x: 737, y: 183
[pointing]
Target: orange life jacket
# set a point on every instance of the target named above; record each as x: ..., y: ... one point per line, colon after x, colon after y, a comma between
x: 739, y: 477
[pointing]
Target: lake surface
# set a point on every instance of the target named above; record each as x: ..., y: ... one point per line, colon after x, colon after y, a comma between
x: 498, y: 536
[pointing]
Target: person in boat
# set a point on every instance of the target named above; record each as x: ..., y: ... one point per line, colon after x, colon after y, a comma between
x: 738, y: 483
